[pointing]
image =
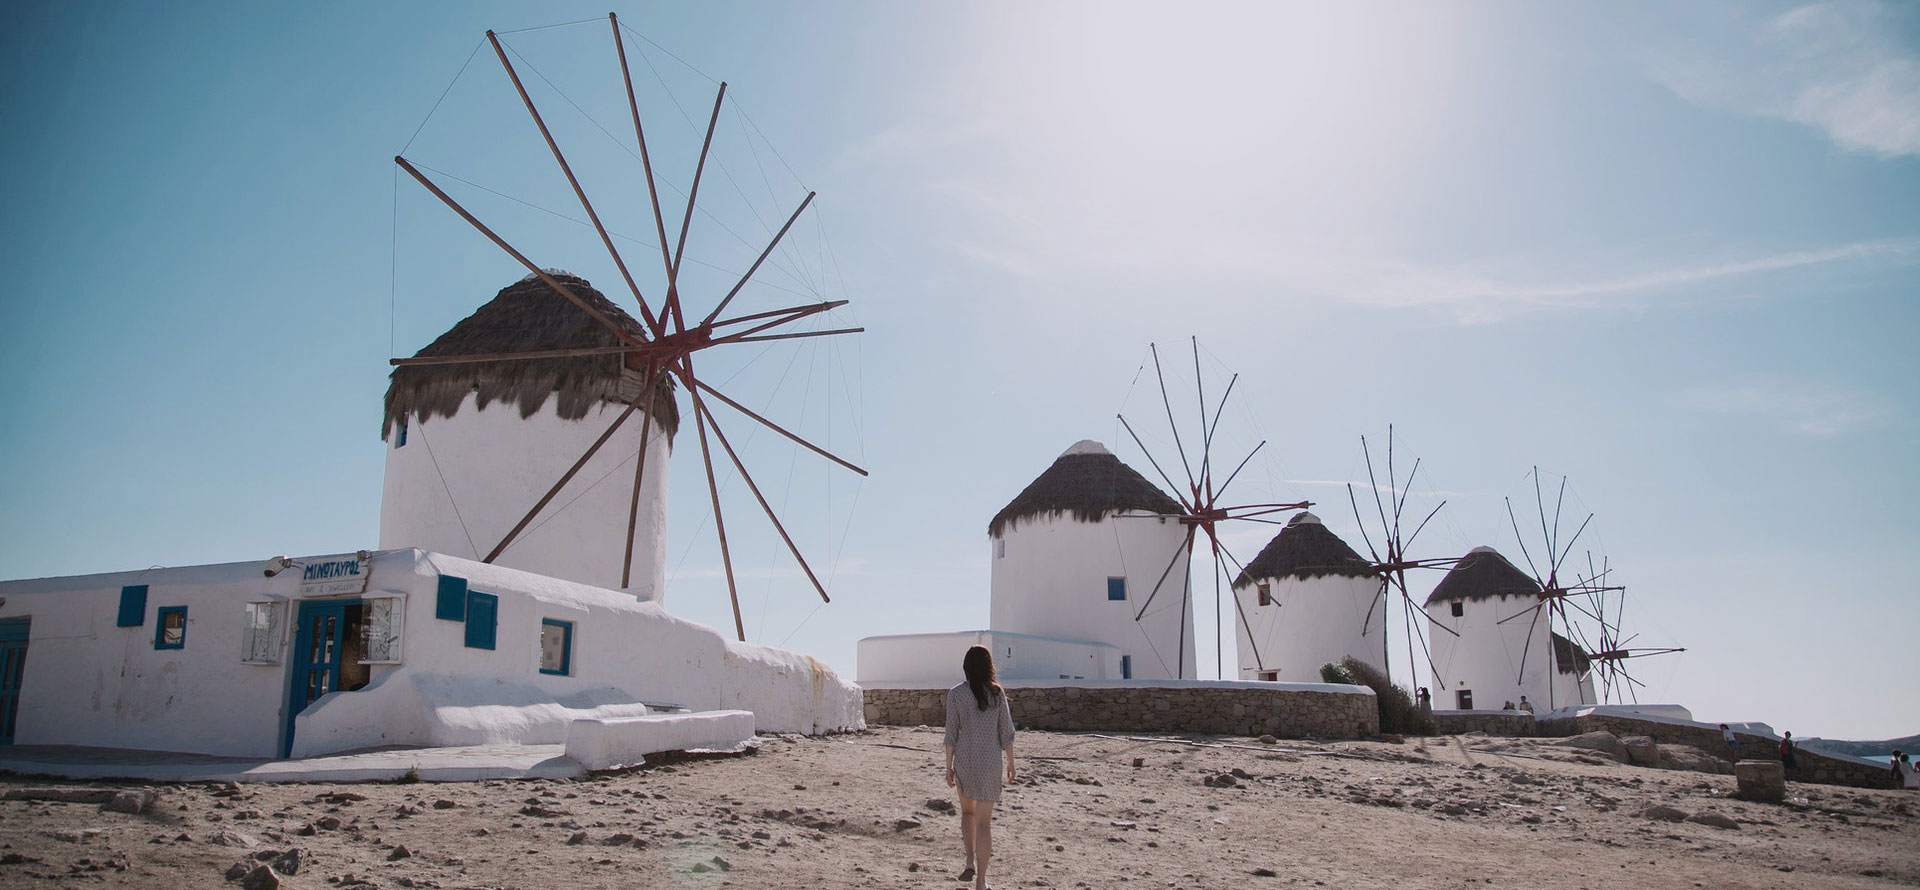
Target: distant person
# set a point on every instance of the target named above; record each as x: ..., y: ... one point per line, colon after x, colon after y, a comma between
x: 1525, y: 705
x: 1426, y: 701
x: 979, y: 731
x: 1508, y: 706
x: 1787, y: 761
x: 1893, y: 765
x: 1733, y: 744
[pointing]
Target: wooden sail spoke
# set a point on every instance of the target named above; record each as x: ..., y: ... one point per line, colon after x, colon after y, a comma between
x: 646, y: 313
x: 639, y: 474
x: 1185, y: 546
x: 693, y: 382
x: 713, y: 492
x: 1168, y: 403
x: 795, y: 336
x: 700, y: 405
x: 756, y: 263
x: 646, y: 160
x: 693, y: 191
x: 538, y: 272
x: 1184, y: 505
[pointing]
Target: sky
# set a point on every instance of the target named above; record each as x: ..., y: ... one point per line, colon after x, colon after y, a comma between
x: 1669, y: 255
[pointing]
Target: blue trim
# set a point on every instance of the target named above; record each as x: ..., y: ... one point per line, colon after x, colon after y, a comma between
x: 13, y: 663
x: 133, y: 605
x: 1117, y: 589
x: 566, y: 646
x: 483, y: 612
x: 1126, y: 667
x: 160, y: 628
x: 319, y: 647
x: 450, y: 603
x: 14, y: 629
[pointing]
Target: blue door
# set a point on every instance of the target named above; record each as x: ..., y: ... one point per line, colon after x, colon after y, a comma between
x: 317, y: 648
x: 13, y: 663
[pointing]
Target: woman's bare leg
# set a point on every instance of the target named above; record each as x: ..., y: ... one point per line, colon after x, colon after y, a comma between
x: 982, y: 841
x: 966, y: 828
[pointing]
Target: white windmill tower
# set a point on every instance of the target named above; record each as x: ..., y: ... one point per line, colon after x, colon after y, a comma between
x: 1486, y: 660
x: 1077, y: 554
x: 1305, y: 601
x: 472, y: 446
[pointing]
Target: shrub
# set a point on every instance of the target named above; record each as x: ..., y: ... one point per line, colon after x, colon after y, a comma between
x: 1397, y: 711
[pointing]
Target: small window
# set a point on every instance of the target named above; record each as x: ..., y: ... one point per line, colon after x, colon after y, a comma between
x: 384, y: 625
x: 556, y: 647
x: 1270, y: 675
x: 451, y: 602
x: 483, y: 610
x: 1126, y: 667
x: 1464, y: 698
x: 133, y: 605
x: 400, y: 434
x: 1116, y: 589
x: 265, y: 629
x: 1459, y: 608
x: 999, y: 548
x: 1266, y: 595
x: 170, y: 632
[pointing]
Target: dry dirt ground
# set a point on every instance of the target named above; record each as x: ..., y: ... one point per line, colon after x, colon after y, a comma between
x: 869, y: 810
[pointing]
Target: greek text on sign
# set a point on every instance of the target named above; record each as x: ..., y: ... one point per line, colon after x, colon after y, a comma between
x: 347, y: 575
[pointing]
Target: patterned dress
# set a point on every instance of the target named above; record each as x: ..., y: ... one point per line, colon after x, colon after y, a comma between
x: 977, y: 738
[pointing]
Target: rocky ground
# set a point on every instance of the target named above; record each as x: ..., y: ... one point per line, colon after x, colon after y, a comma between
x: 868, y: 809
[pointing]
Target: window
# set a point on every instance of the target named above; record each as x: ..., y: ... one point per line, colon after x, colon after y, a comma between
x: 1459, y: 608
x: 400, y: 434
x: 1464, y: 698
x: 482, y: 611
x: 999, y: 548
x: 450, y: 604
x: 1266, y: 594
x: 262, y: 637
x: 133, y: 605
x: 1126, y: 667
x: 556, y: 647
x: 1270, y: 675
x: 170, y: 632
x: 383, y: 625
x: 1116, y: 589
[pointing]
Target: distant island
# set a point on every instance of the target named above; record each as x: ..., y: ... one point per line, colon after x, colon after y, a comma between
x: 1863, y: 749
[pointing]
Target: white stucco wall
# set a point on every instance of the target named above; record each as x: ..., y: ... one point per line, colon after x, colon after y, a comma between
x: 1310, y: 622
x: 91, y: 683
x: 496, y: 466
x: 933, y: 660
x: 1487, y: 657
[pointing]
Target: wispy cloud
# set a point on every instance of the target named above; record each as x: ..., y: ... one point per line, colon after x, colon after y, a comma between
x: 1837, y: 66
x: 1803, y: 409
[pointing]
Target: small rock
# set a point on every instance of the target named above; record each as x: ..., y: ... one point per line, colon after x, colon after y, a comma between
x: 135, y: 802
x: 239, y: 870
x: 287, y: 863
x: 722, y: 863
x: 1717, y: 820
x: 260, y: 878
x: 905, y: 824
x: 939, y: 805
x: 444, y: 804
x: 230, y: 839
x: 1663, y: 813
x: 617, y: 839
x: 327, y: 823
x: 1265, y: 873
x: 1269, y: 740
x: 701, y: 868
x: 1764, y: 781
x: 578, y: 838
x: 400, y: 852
x: 1139, y: 762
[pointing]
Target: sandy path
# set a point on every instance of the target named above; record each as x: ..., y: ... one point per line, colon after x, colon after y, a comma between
x: 1453, y: 812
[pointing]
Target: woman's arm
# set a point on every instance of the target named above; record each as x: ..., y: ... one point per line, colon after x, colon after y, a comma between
x: 951, y: 782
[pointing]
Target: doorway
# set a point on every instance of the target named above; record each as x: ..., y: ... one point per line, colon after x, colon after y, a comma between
x: 13, y: 663
x: 327, y: 648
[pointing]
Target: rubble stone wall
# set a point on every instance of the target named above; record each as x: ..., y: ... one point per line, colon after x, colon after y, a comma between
x: 1238, y: 710
x: 1514, y: 724
x: 1812, y: 766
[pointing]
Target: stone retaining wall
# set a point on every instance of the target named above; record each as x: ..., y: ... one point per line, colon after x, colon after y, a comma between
x: 1514, y: 724
x: 1238, y: 710
x: 1813, y: 767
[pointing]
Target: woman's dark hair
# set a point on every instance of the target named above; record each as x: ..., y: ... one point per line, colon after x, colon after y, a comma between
x: 978, y: 666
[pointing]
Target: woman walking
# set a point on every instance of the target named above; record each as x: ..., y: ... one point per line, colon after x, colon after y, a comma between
x: 979, y: 732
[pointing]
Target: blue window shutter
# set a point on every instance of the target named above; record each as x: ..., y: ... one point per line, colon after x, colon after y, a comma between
x: 451, y: 603
x: 482, y: 611
x: 1116, y: 588
x: 1126, y: 667
x: 133, y: 605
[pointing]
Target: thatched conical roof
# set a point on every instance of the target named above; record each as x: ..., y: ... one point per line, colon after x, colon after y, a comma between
x: 1569, y: 658
x: 1483, y: 574
x: 1304, y: 549
x: 526, y: 316
x: 1088, y: 482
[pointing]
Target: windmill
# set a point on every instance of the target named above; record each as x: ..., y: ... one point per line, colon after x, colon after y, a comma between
x: 1581, y: 608
x: 1203, y: 503
x: 1391, y: 560
x: 662, y: 348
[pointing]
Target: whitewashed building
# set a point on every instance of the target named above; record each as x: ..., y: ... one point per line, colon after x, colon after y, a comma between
x: 1088, y: 582
x: 1491, y: 645
x: 422, y: 643
x: 1307, y: 600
